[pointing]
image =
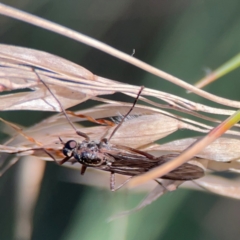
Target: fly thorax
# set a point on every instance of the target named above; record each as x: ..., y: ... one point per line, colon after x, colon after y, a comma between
x: 89, y: 154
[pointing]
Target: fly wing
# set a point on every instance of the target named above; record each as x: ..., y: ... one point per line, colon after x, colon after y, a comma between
x: 185, y: 172
x: 127, y: 163
x: 135, y: 164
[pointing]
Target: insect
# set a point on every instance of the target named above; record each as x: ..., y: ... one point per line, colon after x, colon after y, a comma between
x: 103, y: 155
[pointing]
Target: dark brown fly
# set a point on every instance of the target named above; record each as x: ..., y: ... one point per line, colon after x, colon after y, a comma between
x: 117, y: 158
x: 124, y: 160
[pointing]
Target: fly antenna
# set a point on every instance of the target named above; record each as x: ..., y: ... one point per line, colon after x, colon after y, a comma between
x: 62, y: 108
x: 130, y: 110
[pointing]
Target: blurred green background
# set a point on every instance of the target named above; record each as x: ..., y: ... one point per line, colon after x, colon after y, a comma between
x: 185, y: 38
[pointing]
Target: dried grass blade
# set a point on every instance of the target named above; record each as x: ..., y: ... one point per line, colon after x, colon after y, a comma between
x: 31, y: 19
x: 227, y: 67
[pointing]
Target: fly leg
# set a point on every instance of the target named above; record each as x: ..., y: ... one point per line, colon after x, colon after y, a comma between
x: 54, y: 159
x: 160, y: 184
x: 169, y: 185
x: 112, y: 183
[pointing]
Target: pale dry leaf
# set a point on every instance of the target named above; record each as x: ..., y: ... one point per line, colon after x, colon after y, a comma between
x: 17, y: 67
x: 144, y: 127
x: 220, y: 185
x: 136, y: 131
x: 175, y: 121
x: 222, y: 150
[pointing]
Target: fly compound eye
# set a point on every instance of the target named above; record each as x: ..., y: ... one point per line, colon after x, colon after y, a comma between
x: 69, y: 147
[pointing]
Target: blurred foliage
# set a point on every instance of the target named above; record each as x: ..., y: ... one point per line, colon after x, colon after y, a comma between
x: 181, y: 37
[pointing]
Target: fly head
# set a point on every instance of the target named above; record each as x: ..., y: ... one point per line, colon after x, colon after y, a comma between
x: 69, y: 147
